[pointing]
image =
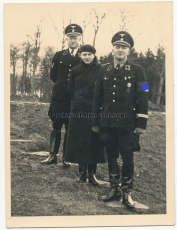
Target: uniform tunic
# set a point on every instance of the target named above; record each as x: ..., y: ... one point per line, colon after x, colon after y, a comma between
x: 121, y: 96
x: 62, y: 64
x: 83, y: 146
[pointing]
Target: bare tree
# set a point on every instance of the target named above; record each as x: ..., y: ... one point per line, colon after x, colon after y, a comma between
x: 160, y: 69
x: 14, y: 56
x: 46, y: 84
x: 59, y: 36
x: 86, y: 21
x: 25, y: 59
x: 125, y: 19
x: 36, y: 44
x: 96, y: 22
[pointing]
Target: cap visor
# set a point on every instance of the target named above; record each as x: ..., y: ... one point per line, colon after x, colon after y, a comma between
x: 73, y: 34
x: 122, y: 43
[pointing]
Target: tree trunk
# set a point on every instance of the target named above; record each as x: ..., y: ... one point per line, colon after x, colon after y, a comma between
x: 94, y: 38
x: 160, y: 90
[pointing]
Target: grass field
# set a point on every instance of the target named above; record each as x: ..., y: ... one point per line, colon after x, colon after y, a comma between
x: 51, y: 190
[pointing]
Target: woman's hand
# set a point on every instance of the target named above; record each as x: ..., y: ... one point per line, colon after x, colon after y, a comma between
x: 95, y: 129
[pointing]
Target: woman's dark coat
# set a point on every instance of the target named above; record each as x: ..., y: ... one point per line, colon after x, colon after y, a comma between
x: 83, y: 146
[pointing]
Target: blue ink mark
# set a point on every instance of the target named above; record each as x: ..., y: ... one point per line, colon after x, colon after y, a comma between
x: 145, y: 86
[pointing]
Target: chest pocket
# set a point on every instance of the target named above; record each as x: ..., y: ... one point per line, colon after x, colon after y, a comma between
x: 106, y: 78
x: 106, y: 81
x: 63, y: 65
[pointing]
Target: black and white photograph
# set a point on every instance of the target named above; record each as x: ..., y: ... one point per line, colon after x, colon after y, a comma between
x: 89, y: 123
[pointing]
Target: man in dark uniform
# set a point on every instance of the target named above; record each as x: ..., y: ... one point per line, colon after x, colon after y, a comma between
x: 62, y: 63
x: 121, y: 101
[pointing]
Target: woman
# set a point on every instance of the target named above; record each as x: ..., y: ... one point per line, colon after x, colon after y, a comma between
x: 83, y: 146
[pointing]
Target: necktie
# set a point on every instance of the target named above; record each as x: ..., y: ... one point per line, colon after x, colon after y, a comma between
x: 72, y: 52
x: 117, y: 66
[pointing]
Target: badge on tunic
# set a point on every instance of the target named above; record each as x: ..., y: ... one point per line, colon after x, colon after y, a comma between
x: 109, y: 68
x: 127, y: 67
x: 129, y: 84
x: 64, y: 53
x: 128, y: 90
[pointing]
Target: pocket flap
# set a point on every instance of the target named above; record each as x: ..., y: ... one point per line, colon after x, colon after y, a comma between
x: 106, y: 78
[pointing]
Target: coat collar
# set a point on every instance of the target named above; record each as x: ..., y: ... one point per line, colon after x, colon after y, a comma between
x: 67, y: 56
x: 123, y: 70
x: 94, y: 63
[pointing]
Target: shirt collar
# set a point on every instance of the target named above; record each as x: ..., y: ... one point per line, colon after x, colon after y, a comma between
x: 74, y: 52
x: 121, y: 64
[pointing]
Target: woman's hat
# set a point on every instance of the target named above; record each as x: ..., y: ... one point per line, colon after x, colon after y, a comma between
x: 87, y: 48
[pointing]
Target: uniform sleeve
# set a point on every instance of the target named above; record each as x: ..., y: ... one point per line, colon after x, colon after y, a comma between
x: 54, y: 68
x: 97, y: 99
x: 71, y: 84
x: 142, y: 89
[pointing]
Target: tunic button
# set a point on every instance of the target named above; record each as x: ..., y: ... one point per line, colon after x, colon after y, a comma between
x: 68, y: 75
x: 70, y: 65
x: 114, y: 85
x: 113, y: 100
x: 69, y: 70
x: 114, y: 79
x: 116, y: 67
x: 113, y: 93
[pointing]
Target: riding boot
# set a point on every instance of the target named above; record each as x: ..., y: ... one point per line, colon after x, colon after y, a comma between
x: 114, y: 177
x: 65, y: 164
x: 82, y: 172
x: 55, y: 138
x: 92, y: 172
x: 127, y: 178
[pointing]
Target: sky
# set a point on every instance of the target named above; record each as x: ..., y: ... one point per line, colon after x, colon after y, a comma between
x: 148, y: 22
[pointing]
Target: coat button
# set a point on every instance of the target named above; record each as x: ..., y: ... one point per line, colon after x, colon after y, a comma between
x: 70, y: 65
x: 114, y: 85
x: 114, y: 79
x: 113, y: 100
x: 113, y: 93
x: 69, y: 70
